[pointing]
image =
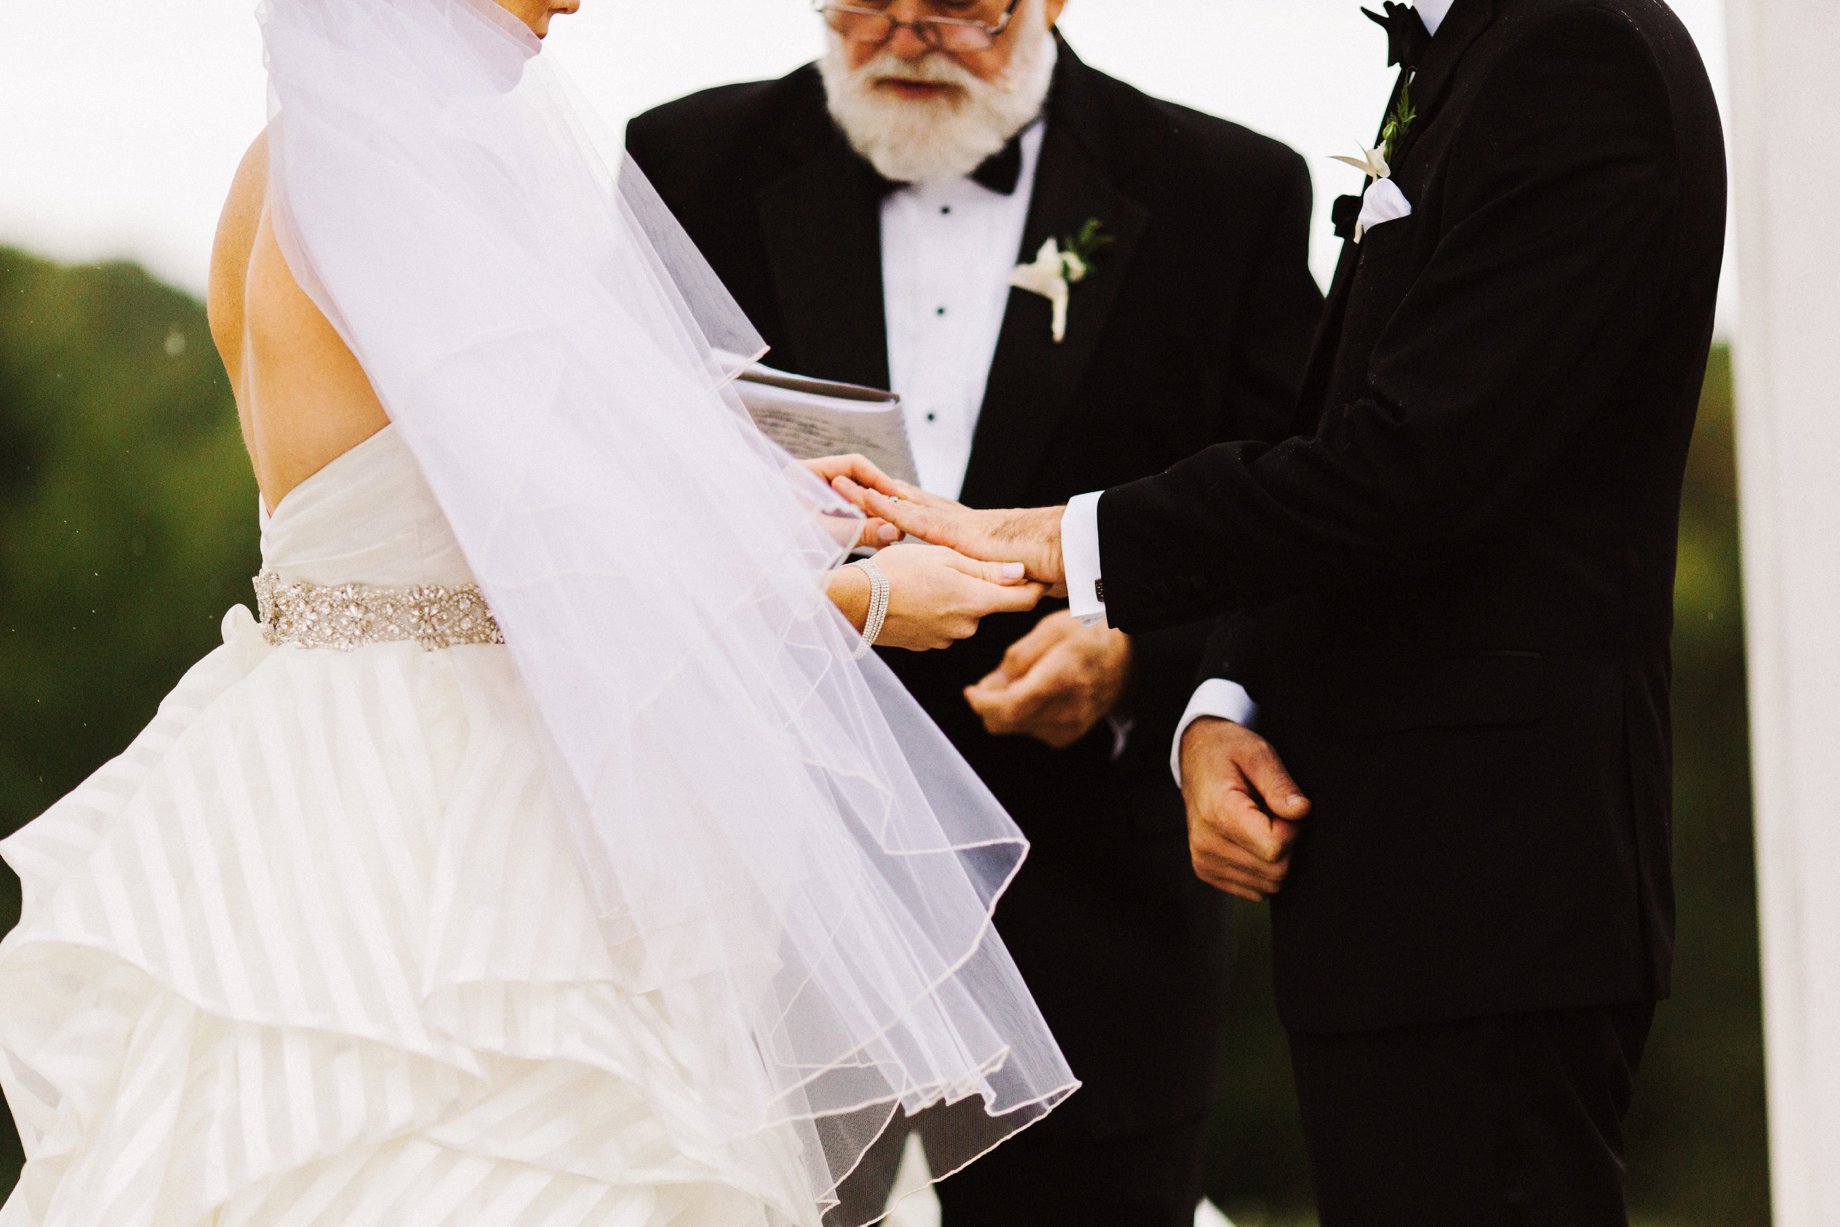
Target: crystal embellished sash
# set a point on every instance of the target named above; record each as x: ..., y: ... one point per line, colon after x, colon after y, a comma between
x: 346, y: 617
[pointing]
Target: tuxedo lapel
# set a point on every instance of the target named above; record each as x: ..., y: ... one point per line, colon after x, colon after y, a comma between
x: 821, y: 226
x: 1329, y: 332
x: 1461, y: 28
x: 1033, y: 380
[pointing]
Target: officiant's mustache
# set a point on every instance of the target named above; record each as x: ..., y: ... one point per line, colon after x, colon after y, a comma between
x: 936, y: 68
x: 889, y: 68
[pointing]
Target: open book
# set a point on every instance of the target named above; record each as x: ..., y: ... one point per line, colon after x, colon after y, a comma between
x: 819, y: 417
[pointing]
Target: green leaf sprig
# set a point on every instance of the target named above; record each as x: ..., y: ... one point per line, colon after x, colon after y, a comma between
x: 1398, y: 124
x: 1083, y: 248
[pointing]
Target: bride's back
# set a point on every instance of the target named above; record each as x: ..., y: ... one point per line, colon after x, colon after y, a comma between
x: 302, y: 397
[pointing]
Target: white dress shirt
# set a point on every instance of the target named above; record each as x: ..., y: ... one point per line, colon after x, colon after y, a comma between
x: 1433, y: 12
x: 1217, y: 698
x: 947, y: 253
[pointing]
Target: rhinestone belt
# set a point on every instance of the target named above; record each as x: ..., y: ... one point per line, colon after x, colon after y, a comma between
x: 346, y: 617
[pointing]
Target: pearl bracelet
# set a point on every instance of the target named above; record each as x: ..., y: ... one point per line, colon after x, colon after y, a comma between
x: 878, y: 607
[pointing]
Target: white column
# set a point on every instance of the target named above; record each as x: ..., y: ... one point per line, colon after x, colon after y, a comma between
x: 1785, y: 141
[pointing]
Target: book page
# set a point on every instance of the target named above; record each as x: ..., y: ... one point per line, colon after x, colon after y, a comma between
x: 812, y: 418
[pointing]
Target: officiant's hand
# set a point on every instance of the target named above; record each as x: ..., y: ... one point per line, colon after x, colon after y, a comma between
x: 1055, y: 683
x: 1032, y: 538
x: 935, y: 596
x: 1243, y: 809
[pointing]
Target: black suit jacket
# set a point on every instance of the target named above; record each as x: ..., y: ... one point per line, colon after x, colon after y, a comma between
x: 1194, y: 327
x: 1461, y: 579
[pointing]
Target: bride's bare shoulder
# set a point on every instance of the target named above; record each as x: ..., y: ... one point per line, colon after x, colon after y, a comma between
x: 237, y: 228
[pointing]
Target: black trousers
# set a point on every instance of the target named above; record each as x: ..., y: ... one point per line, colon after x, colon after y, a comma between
x: 1508, y: 1121
x: 1048, y: 1177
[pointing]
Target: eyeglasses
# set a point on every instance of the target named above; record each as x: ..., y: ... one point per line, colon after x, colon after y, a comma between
x: 864, y: 24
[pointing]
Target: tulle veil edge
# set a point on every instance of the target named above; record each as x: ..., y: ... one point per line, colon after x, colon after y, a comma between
x: 784, y: 849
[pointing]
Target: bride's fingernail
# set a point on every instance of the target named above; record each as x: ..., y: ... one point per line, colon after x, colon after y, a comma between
x: 889, y: 533
x: 1014, y: 570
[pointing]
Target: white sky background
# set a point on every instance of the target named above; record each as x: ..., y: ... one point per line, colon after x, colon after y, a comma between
x: 121, y: 121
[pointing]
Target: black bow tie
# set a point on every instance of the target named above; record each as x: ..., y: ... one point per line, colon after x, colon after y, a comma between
x: 1406, y: 35
x: 1001, y: 172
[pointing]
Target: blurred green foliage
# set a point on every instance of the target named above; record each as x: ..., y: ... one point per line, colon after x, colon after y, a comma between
x: 127, y: 523
x: 127, y: 528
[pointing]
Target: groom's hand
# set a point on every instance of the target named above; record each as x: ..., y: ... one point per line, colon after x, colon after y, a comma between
x: 1243, y: 809
x: 1032, y: 538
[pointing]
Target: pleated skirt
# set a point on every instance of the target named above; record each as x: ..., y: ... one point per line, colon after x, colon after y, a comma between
x: 314, y: 951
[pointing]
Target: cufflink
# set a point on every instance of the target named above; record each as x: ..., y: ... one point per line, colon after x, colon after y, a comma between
x: 1099, y: 590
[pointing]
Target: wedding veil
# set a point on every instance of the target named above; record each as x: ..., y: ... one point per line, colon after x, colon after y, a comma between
x: 785, y: 850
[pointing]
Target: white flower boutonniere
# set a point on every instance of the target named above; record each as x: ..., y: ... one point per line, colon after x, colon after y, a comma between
x: 1372, y: 163
x: 1056, y: 271
x: 1383, y: 201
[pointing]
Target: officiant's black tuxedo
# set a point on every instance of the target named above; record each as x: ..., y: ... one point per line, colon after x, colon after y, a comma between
x: 1192, y: 328
x: 1456, y: 584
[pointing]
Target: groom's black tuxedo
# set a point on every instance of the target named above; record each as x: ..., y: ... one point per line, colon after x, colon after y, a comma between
x: 1457, y: 584
x: 1194, y: 327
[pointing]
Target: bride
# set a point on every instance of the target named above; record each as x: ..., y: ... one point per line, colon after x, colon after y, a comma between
x: 545, y: 854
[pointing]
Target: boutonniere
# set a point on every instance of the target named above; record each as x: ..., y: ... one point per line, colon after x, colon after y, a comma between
x: 1383, y: 201
x: 1056, y: 270
x: 1399, y: 122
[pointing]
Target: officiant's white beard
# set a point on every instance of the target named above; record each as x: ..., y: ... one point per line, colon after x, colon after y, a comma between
x: 933, y: 141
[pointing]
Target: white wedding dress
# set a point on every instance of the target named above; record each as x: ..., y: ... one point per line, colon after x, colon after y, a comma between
x: 315, y: 950
x: 636, y: 900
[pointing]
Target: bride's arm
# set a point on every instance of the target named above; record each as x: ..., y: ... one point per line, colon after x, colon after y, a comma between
x: 935, y: 596
x: 849, y: 591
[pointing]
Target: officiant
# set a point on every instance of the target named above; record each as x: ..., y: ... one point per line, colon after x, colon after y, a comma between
x: 1072, y: 285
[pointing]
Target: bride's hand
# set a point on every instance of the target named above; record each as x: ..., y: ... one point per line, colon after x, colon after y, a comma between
x: 935, y: 596
x: 875, y: 533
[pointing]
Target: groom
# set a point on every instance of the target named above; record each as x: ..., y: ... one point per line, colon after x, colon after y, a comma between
x: 869, y: 212
x: 1450, y: 598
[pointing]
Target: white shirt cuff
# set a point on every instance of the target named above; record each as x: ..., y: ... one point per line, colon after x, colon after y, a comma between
x: 1217, y: 698
x: 1080, y: 559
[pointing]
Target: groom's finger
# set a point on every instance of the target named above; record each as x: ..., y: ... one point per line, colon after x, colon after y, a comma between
x: 1224, y: 856
x: 1225, y: 866
x: 1244, y: 823
x: 1234, y: 887
x: 905, y: 514
x: 1268, y: 776
x: 1240, y: 887
x: 1228, y: 824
